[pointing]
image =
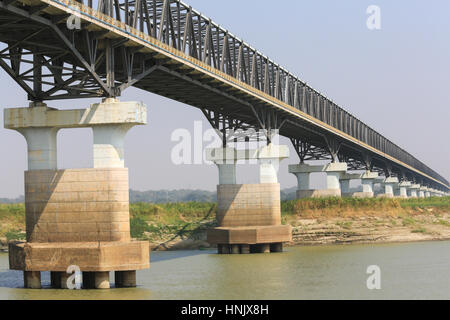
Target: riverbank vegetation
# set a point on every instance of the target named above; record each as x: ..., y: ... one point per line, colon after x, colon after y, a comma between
x: 167, y: 224
x: 349, y: 207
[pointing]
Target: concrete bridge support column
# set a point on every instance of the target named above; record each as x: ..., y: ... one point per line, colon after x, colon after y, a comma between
x: 367, y: 181
x: 403, y: 187
x: 32, y: 279
x: 334, y: 173
x: 345, y: 187
x: 80, y: 217
x: 125, y: 279
x: 389, y: 185
x: 412, y: 191
x: 422, y: 192
x: 249, y: 215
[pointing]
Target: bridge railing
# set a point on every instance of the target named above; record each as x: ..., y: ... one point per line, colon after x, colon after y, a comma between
x: 186, y: 30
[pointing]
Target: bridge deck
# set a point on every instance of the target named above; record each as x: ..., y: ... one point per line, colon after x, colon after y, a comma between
x: 183, y: 75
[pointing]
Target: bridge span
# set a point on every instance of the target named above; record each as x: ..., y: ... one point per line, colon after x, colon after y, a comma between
x: 64, y: 49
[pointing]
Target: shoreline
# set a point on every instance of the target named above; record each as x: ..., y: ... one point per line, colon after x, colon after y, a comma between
x: 344, y: 231
x: 200, y: 245
x: 315, y: 222
x: 320, y: 231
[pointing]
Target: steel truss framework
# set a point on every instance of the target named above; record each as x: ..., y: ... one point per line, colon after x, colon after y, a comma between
x: 51, y: 61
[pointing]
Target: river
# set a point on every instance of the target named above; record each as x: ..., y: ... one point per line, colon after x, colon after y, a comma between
x: 408, y: 271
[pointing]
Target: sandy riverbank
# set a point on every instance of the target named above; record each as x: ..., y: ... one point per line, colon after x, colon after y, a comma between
x: 183, y: 226
x: 426, y: 226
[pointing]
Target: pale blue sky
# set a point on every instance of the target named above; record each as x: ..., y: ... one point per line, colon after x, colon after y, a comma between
x: 395, y: 79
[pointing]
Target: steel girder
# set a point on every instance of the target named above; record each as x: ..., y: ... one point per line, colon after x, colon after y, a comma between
x: 92, y: 62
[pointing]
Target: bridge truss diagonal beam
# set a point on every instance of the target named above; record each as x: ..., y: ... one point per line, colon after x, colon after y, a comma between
x: 166, y: 47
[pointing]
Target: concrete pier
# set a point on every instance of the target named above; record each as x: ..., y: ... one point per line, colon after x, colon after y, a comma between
x: 390, y: 184
x: 422, y: 191
x: 77, y: 217
x: 32, y: 279
x: 125, y: 279
x: 367, y: 180
x: 345, y: 183
x: 249, y: 215
x: 334, y: 172
x: 413, y: 191
x: 403, y: 187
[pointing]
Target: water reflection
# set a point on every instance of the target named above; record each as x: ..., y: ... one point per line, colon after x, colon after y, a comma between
x: 409, y: 271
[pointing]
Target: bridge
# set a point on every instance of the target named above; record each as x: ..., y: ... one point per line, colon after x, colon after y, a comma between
x: 64, y: 49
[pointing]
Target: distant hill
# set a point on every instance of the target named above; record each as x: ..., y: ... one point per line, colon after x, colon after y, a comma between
x: 167, y: 196
x: 170, y: 196
x: 20, y: 199
x: 289, y: 194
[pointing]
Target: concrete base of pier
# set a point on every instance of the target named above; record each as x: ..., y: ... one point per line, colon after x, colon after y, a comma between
x: 77, y: 217
x: 88, y: 256
x: 125, y: 279
x: 249, y: 236
x: 249, y: 219
x: 32, y: 279
x: 246, y: 248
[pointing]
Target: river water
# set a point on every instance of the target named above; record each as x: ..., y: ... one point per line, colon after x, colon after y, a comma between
x: 408, y: 271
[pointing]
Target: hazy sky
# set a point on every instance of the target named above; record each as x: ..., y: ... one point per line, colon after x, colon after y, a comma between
x: 395, y: 79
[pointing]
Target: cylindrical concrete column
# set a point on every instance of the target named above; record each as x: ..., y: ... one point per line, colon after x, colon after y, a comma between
x: 269, y: 162
x: 55, y: 280
x: 125, y: 279
x: 345, y: 186
x: 101, y: 280
x: 412, y: 191
x: 262, y: 248
x: 88, y: 280
x: 245, y: 248
x: 389, y: 185
x: 389, y: 189
x: 335, y: 171
x: 109, y: 145
x: 268, y: 170
x: 303, y: 180
x: 367, y: 185
x: 41, y: 145
x: 227, y: 173
x: 223, y: 248
x: 235, y: 249
x: 403, y: 192
x: 276, y: 247
x: 32, y: 279
x: 333, y: 180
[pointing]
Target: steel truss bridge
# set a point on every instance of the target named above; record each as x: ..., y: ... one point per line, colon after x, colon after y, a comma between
x: 64, y: 49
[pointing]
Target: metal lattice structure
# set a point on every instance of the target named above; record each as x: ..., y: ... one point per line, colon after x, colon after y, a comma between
x: 63, y: 49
